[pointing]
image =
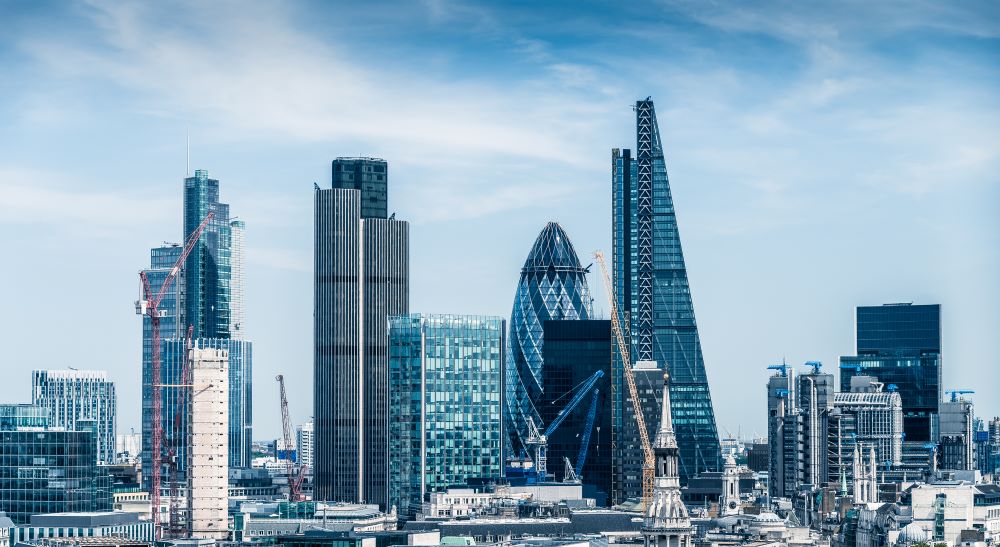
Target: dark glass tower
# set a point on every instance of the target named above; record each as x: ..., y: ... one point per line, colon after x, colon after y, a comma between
x: 900, y: 344
x: 362, y: 278
x: 370, y: 176
x: 651, y: 283
x: 208, y: 269
x: 553, y: 285
x: 574, y: 351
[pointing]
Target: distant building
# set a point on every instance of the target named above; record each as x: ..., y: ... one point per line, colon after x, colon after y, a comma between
x: 798, y: 410
x: 957, y: 449
x: 864, y: 418
x: 552, y: 285
x: 445, y: 392
x: 75, y: 396
x: 208, y: 295
x: 361, y: 278
x: 900, y: 345
x: 758, y: 456
x: 208, y: 443
x: 45, y: 470
x: 85, y: 525
x: 649, y: 384
x: 654, y: 296
x: 304, y: 444
x: 573, y: 352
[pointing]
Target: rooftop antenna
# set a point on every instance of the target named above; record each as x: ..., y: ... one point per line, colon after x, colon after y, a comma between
x: 187, y: 152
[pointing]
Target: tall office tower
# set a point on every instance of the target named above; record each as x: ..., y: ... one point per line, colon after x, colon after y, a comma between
x: 956, y: 436
x: 993, y: 461
x: 667, y: 523
x: 73, y: 395
x: 630, y: 459
x: 371, y: 177
x: 445, y: 391
x: 866, y: 417
x: 553, y: 285
x: 782, y: 417
x: 237, y: 285
x: 799, y: 407
x: 214, y: 300
x: 304, y: 444
x: 651, y: 283
x: 573, y: 352
x: 362, y: 277
x: 900, y: 344
x: 208, y: 476
x: 815, y: 393
x: 173, y: 316
x: 45, y: 469
x: 208, y: 268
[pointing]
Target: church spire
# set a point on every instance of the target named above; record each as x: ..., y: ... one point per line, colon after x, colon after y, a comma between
x: 667, y: 523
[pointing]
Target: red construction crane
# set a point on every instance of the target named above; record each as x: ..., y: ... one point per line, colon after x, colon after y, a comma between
x: 149, y: 307
x: 294, y: 482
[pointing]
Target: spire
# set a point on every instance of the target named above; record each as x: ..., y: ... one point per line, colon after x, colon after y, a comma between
x: 666, y: 516
x: 665, y: 437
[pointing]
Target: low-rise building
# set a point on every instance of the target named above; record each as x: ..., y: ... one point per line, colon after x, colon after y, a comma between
x: 84, y: 525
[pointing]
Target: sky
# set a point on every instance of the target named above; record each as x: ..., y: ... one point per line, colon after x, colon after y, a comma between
x: 820, y: 157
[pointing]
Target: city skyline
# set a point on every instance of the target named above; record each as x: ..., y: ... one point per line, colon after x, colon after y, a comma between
x: 855, y: 166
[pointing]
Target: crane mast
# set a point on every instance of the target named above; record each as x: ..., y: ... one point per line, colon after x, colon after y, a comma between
x: 294, y: 482
x: 149, y: 306
x: 649, y: 459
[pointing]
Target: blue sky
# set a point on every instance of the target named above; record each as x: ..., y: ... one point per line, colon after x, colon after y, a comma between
x: 820, y: 158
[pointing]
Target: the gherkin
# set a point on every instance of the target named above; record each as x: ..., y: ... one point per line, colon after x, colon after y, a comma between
x: 553, y: 285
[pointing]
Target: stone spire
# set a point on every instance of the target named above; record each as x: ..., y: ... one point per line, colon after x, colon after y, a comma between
x: 667, y: 523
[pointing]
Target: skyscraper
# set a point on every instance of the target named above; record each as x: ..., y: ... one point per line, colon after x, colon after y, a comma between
x: 445, y: 391
x: 553, y: 285
x: 651, y: 284
x: 208, y: 296
x: 362, y: 277
x: 900, y: 344
x: 573, y: 352
x: 72, y: 396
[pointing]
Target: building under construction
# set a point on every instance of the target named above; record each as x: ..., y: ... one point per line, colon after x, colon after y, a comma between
x: 208, y: 444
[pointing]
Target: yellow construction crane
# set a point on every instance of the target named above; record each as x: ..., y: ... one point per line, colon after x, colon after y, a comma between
x: 649, y: 460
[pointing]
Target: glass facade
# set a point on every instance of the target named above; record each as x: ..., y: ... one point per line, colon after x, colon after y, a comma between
x: 47, y: 471
x: 900, y: 344
x: 208, y: 269
x: 445, y: 391
x: 573, y: 352
x: 370, y: 176
x: 207, y: 295
x: 650, y: 279
x: 553, y: 285
x: 72, y: 395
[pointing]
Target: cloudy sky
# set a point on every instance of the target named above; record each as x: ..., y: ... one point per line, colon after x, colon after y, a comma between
x: 819, y: 159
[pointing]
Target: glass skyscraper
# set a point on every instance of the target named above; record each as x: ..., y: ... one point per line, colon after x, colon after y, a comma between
x: 900, y: 344
x: 573, y: 352
x: 207, y: 295
x: 445, y: 391
x: 45, y: 470
x: 553, y: 285
x: 72, y: 395
x: 362, y: 277
x: 654, y: 297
